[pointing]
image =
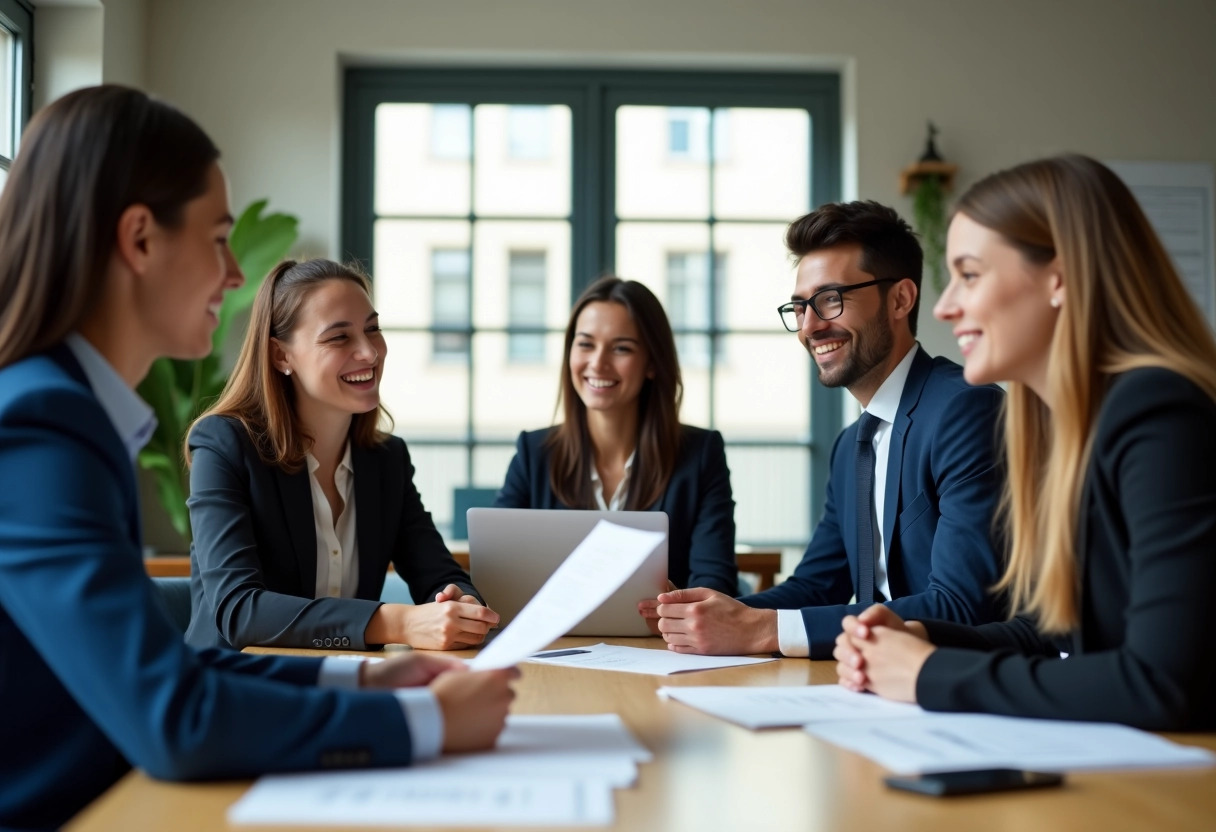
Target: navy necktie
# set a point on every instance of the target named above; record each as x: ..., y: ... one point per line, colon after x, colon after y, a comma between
x: 866, y: 425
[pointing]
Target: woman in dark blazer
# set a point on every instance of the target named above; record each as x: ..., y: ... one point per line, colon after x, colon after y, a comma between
x: 299, y: 503
x: 1061, y: 287
x: 621, y: 445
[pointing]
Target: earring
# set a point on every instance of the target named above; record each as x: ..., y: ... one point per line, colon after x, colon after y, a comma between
x: 1055, y: 304
x: 287, y: 372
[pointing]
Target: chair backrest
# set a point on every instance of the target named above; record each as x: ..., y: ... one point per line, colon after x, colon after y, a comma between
x: 464, y: 499
x: 174, y: 594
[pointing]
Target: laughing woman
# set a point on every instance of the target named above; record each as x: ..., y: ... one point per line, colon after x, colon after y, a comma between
x: 621, y: 444
x: 1060, y: 286
x: 299, y: 502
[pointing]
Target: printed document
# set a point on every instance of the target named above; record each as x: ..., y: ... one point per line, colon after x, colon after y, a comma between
x: 778, y: 707
x: 945, y: 742
x: 641, y: 660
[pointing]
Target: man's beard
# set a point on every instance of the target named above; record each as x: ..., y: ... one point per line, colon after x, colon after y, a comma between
x: 869, y: 348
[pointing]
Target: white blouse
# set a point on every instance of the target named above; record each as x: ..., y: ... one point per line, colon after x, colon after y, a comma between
x: 617, y: 502
x: 337, y: 545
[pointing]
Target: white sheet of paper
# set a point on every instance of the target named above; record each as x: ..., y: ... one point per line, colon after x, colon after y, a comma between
x: 777, y: 707
x: 587, y: 578
x: 644, y: 660
x: 595, y: 747
x: 945, y: 742
x: 406, y: 797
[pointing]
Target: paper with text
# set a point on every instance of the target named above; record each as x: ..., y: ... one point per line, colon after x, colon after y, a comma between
x: 655, y: 662
x: 947, y: 742
x: 777, y: 707
x: 401, y: 797
x: 587, y: 578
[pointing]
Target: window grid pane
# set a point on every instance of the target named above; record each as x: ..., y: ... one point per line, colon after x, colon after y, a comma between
x: 8, y: 93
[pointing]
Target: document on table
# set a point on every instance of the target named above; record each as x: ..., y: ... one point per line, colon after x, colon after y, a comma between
x: 945, y: 742
x: 595, y: 747
x: 641, y: 660
x: 595, y: 569
x: 778, y: 707
x: 401, y: 797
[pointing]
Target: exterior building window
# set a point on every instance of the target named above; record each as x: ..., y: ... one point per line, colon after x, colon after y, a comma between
x: 450, y: 303
x: 451, y: 131
x: 688, y: 308
x: 529, y: 133
x: 526, y: 276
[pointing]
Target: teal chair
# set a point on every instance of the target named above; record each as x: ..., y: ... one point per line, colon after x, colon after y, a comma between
x: 464, y: 499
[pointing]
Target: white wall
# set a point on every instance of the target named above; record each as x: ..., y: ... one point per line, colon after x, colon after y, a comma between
x: 1127, y: 79
x: 67, y: 50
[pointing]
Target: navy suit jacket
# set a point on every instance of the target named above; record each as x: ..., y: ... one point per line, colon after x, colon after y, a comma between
x: 94, y: 677
x: 698, y: 503
x: 942, y: 488
x: 253, y: 562
x: 1143, y: 653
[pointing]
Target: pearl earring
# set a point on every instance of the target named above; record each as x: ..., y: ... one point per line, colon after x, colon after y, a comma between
x: 287, y: 372
x: 1055, y: 304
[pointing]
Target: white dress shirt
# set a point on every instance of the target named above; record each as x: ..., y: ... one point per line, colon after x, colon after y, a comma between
x: 134, y: 423
x: 337, y: 545
x: 792, y: 637
x: 622, y: 491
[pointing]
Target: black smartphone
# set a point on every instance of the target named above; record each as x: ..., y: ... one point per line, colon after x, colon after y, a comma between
x: 945, y: 783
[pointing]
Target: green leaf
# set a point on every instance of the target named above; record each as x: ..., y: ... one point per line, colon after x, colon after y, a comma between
x: 258, y: 243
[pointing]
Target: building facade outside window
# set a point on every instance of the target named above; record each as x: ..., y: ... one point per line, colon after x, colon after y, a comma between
x: 450, y: 302
x: 526, y: 275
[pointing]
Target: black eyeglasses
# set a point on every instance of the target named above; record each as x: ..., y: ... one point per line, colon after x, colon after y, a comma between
x: 827, y: 303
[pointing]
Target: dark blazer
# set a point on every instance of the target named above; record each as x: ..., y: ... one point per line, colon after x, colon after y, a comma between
x: 1144, y: 653
x: 93, y: 676
x: 253, y: 562
x: 942, y: 487
x: 698, y: 503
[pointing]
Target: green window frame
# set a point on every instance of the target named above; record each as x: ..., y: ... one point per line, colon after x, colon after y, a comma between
x: 593, y: 98
x: 17, y: 21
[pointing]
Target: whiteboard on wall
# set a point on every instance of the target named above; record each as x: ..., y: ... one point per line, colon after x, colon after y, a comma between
x: 1177, y: 198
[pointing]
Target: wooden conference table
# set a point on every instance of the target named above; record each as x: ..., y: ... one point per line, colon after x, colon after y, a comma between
x: 710, y: 775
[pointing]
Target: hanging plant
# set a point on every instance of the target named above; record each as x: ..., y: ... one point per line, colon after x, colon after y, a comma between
x: 929, y: 217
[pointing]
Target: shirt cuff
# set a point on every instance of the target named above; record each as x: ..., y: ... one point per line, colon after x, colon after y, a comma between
x: 340, y: 672
x: 425, y: 721
x: 791, y: 634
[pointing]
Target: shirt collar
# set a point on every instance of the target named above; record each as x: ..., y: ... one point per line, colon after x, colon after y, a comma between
x: 595, y: 474
x: 344, y: 464
x: 885, y: 403
x: 130, y: 415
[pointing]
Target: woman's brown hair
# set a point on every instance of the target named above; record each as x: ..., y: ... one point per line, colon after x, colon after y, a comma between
x: 84, y: 160
x: 263, y: 399
x: 1124, y: 308
x: 571, y: 455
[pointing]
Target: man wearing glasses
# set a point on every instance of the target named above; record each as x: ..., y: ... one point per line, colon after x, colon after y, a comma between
x: 914, y: 482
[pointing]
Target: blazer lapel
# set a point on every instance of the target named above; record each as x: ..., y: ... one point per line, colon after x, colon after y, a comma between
x: 918, y: 374
x: 369, y: 515
x: 296, y: 497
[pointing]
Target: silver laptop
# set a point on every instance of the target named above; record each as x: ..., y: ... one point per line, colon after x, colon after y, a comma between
x: 513, y: 551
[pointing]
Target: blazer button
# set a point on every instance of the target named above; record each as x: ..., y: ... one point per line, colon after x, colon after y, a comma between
x: 329, y: 642
x: 345, y: 641
x: 316, y: 642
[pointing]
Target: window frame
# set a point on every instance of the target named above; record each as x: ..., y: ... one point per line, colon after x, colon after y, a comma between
x: 593, y: 97
x: 17, y: 17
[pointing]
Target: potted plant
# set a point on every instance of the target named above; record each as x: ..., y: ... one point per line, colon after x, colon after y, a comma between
x: 928, y: 181
x: 178, y: 391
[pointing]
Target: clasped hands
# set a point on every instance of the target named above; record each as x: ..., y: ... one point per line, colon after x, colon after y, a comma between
x: 880, y: 652
x: 452, y: 622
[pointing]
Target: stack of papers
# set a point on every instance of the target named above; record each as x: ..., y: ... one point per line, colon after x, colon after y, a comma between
x: 545, y: 771
x: 640, y: 660
x: 909, y: 740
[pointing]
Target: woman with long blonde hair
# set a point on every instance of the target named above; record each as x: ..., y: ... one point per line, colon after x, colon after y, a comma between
x: 1060, y: 286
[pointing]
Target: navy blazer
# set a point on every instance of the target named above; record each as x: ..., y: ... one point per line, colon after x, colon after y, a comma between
x: 698, y: 502
x: 1143, y: 654
x: 93, y: 675
x: 942, y: 488
x: 253, y: 562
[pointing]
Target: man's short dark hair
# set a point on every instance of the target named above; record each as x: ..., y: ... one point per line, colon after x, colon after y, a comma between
x: 889, y: 248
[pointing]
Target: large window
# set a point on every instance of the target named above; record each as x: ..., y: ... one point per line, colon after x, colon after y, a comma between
x: 485, y: 201
x: 15, y: 30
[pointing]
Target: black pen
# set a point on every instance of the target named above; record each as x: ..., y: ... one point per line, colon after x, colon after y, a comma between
x: 553, y: 654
